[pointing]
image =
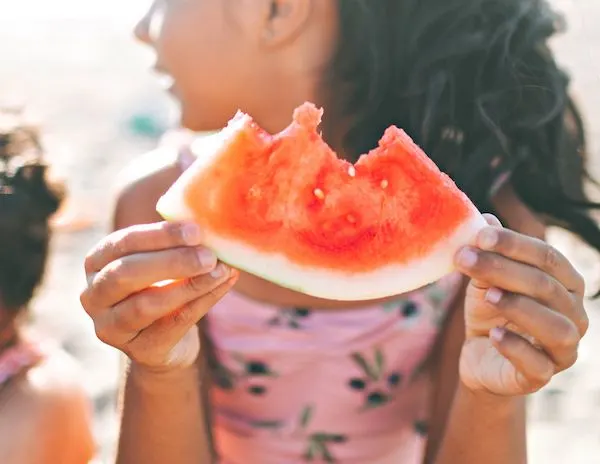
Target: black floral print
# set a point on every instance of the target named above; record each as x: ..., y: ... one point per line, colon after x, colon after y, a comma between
x: 374, y: 373
x: 290, y: 317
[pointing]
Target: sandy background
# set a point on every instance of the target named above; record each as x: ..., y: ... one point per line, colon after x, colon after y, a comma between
x: 77, y: 66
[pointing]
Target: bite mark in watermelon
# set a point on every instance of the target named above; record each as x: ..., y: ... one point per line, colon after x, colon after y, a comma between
x: 284, y: 207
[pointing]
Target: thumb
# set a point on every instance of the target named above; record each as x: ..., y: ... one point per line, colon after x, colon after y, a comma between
x: 468, y: 255
x: 492, y: 220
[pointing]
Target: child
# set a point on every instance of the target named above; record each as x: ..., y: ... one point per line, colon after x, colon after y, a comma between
x: 290, y: 378
x: 44, y: 413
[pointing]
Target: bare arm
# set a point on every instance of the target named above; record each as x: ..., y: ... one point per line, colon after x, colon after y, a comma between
x: 162, y: 414
x: 470, y: 428
x: 162, y: 420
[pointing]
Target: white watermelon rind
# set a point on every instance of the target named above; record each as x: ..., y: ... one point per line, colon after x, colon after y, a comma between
x: 391, y: 280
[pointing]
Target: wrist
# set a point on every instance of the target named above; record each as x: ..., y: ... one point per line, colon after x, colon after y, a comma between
x: 485, y: 399
x: 158, y: 377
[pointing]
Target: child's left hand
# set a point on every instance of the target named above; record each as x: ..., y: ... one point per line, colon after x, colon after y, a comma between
x: 524, y: 312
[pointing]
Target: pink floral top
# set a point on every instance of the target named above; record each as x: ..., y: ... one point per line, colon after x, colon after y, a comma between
x: 17, y: 359
x: 299, y: 385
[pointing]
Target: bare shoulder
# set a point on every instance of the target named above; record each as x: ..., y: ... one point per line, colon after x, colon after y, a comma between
x: 141, y: 184
x: 51, y: 404
x: 55, y: 390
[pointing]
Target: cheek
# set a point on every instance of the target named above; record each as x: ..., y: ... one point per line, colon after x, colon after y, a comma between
x: 180, y: 46
x: 198, y: 57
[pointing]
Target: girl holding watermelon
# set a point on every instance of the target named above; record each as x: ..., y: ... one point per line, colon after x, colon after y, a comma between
x: 436, y: 376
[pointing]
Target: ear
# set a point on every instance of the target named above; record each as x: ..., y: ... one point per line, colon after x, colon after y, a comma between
x: 284, y: 20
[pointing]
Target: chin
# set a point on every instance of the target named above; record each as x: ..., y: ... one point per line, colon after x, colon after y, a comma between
x: 198, y: 121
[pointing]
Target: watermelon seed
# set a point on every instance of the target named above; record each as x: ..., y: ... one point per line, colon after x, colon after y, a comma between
x: 384, y: 184
x: 352, y: 171
x: 319, y: 194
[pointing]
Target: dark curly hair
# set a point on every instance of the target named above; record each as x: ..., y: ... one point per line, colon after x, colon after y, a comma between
x: 27, y: 200
x: 476, y: 85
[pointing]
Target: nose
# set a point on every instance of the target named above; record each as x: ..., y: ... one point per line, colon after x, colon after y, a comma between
x: 142, y: 28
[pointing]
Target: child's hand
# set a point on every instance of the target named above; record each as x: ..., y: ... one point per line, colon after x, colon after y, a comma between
x: 155, y: 325
x: 524, y: 312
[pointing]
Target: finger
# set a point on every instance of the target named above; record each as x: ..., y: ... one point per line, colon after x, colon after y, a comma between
x: 534, y: 369
x: 492, y: 220
x: 557, y: 335
x: 165, y: 333
x: 532, y: 251
x: 488, y: 270
x: 134, y: 273
x: 143, y: 309
x: 139, y: 239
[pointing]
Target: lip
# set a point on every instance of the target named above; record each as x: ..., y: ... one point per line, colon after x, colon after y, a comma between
x: 159, y: 68
x: 164, y: 77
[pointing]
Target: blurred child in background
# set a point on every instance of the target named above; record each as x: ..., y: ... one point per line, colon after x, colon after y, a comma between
x: 44, y: 412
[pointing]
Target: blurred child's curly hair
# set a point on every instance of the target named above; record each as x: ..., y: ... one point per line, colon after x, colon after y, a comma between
x: 27, y: 200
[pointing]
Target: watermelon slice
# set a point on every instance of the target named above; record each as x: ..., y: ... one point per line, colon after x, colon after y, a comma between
x: 285, y: 208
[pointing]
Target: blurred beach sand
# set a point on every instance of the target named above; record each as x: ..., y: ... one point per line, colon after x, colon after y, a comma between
x: 77, y: 66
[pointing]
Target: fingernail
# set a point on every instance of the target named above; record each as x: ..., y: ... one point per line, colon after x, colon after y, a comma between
x: 207, y: 257
x: 220, y: 271
x: 191, y: 233
x: 488, y: 238
x: 467, y: 257
x: 497, y: 334
x: 493, y: 295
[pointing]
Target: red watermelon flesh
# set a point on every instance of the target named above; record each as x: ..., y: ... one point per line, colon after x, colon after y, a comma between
x: 286, y: 208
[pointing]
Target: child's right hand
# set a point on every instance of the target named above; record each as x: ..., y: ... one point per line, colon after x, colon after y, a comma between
x: 154, y: 324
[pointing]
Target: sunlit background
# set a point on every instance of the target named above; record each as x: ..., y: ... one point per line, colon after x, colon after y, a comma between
x: 77, y: 67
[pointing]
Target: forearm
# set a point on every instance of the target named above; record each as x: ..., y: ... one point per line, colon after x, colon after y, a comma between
x: 163, y: 419
x: 484, y: 428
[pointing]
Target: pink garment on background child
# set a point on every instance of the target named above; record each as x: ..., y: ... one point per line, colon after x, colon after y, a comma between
x: 19, y: 358
x: 296, y: 385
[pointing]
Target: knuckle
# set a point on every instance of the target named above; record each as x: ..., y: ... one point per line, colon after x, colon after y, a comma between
x: 567, y: 337
x: 117, y: 274
x: 103, y: 334
x: 215, y: 294
x: 490, y: 263
x: 141, y: 305
x: 88, y: 262
x: 583, y: 323
x: 120, y: 242
x: 546, y: 285
x: 197, y: 285
x: 182, y: 316
x: 540, y: 377
x: 138, y: 310
x: 551, y: 258
x: 579, y: 282
x: 510, y: 302
x: 173, y: 232
x: 571, y: 360
x: 506, y: 241
x: 85, y: 300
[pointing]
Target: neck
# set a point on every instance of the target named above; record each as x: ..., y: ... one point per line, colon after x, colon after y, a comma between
x: 275, y: 113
